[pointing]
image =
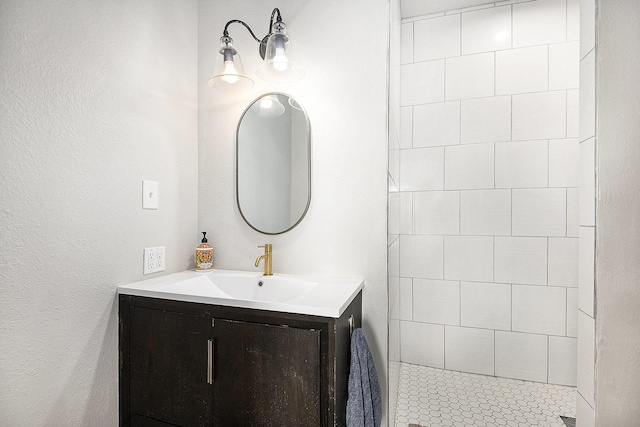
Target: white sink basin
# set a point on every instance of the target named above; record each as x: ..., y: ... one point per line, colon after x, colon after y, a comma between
x: 322, y: 296
x: 261, y: 288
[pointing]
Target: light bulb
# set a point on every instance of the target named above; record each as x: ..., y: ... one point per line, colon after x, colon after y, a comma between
x: 280, y: 61
x: 230, y: 75
x: 266, y: 103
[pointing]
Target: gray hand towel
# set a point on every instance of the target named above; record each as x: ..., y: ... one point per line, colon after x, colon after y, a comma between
x: 364, y: 404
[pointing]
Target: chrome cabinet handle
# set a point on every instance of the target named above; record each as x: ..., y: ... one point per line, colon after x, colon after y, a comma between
x: 210, y: 361
x: 352, y: 324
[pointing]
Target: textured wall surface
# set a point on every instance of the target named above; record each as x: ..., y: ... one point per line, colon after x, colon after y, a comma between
x: 344, y: 46
x: 94, y: 98
x: 617, y: 222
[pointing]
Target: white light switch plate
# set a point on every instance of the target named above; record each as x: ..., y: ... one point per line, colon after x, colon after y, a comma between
x: 149, y: 194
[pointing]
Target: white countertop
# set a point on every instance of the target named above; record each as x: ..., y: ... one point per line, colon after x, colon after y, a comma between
x: 329, y: 296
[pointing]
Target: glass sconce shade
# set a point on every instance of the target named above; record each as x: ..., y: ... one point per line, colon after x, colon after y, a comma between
x: 278, y: 65
x: 229, y: 74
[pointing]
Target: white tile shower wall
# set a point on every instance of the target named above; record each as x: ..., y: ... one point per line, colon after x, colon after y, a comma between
x: 489, y: 175
x: 585, y: 328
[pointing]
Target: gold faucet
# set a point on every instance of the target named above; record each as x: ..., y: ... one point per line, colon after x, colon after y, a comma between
x: 267, y: 259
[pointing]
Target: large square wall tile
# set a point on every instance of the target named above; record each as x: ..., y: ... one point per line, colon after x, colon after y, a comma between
x: 563, y: 262
x: 468, y: 258
x: 436, y: 124
x: 470, y: 76
x: 521, y: 356
x: 539, y: 309
x: 485, y: 305
x: 422, y: 82
x: 541, y: 115
x: 563, y: 353
x: 521, y: 260
x: 421, y: 256
x: 469, y: 350
x: 586, y: 358
x: 539, y: 212
x: 422, y: 344
x: 469, y: 167
x: 436, y: 38
x: 539, y: 22
x: 586, y: 270
x: 485, y: 212
x: 564, y: 65
x: 486, y: 30
x: 436, y: 301
x: 588, y: 182
x: 485, y: 119
x: 564, y: 163
x: 522, y: 164
x: 436, y: 212
x: 406, y: 47
x: 588, y: 96
x: 522, y: 70
x: 422, y: 169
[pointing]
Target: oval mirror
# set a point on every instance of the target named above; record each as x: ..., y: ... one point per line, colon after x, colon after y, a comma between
x: 273, y: 163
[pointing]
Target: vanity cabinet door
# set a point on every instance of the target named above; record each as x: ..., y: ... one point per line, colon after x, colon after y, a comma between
x: 266, y: 375
x: 168, y: 362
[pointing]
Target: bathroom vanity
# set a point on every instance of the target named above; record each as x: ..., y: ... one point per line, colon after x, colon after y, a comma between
x: 192, y: 354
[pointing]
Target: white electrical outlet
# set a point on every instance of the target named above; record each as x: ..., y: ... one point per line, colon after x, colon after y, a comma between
x: 153, y: 259
x: 160, y: 258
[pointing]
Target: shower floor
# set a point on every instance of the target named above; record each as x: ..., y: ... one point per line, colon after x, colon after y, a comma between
x: 433, y: 397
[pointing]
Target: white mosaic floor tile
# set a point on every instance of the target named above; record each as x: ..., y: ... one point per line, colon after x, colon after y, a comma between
x: 433, y: 397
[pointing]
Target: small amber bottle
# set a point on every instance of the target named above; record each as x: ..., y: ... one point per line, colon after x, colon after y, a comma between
x: 204, y: 255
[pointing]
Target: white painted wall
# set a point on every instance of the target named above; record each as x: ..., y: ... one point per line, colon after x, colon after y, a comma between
x: 345, y: 49
x: 94, y: 97
x: 617, y: 223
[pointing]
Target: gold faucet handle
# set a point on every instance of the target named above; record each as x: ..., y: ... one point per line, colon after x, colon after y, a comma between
x: 267, y: 247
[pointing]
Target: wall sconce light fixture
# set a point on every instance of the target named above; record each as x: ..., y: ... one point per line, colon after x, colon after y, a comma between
x: 275, y: 50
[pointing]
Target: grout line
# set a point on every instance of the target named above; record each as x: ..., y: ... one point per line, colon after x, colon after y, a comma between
x: 566, y: 20
x: 444, y: 77
x: 412, y: 299
x: 413, y: 43
x: 511, y: 15
x: 549, y: 70
x: 547, y: 261
x: 511, y: 117
x: 494, y: 165
x: 548, y: 356
x: 444, y: 346
x: 495, y: 72
x: 412, y: 122
x: 413, y: 213
x: 494, y: 352
x: 493, y: 264
x: 566, y: 212
x: 511, y: 307
x: 548, y: 164
x: 459, y: 212
x: 460, y: 21
x: 511, y: 191
x: 566, y: 312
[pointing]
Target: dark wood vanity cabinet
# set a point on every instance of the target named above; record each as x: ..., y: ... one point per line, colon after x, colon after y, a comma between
x: 190, y: 364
